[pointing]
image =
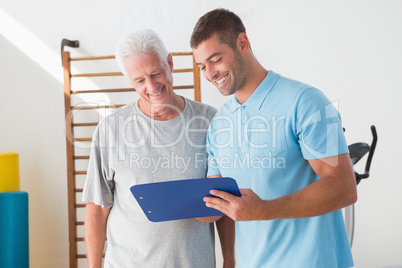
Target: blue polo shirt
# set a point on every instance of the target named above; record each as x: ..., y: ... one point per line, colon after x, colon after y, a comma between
x: 265, y: 145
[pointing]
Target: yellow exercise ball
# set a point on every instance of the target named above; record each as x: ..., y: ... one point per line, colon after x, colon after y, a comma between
x: 9, y: 172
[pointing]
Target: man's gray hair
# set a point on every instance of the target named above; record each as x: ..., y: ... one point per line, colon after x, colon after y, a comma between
x: 139, y: 43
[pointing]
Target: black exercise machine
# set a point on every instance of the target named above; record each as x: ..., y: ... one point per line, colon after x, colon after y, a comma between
x: 357, y: 151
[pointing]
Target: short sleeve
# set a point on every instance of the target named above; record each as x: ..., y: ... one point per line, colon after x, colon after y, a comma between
x: 319, y: 126
x: 99, y: 184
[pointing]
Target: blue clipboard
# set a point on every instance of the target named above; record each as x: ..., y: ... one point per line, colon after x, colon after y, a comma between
x: 181, y: 199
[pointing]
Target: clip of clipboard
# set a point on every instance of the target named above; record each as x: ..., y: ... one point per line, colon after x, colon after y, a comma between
x: 180, y: 199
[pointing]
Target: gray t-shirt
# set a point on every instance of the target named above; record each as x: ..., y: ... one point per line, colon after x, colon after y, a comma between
x: 129, y: 148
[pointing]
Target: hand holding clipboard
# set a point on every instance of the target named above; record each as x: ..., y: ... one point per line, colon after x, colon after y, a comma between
x: 181, y: 199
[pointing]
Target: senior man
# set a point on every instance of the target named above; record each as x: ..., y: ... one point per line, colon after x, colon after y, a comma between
x: 159, y: 127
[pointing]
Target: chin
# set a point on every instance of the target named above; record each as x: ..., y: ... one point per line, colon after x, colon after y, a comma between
x: 225, y: 92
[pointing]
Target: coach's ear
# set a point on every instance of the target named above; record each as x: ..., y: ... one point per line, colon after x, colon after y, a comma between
x: 243, y: 44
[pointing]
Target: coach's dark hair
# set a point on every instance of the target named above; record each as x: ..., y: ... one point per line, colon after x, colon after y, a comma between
x: 225, y: 23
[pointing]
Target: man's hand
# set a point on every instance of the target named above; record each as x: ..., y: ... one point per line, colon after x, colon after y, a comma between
x: 247, y: 207
x: 335, y: 189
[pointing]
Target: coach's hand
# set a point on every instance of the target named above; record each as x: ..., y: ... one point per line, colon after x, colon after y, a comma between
x: 247, y: 207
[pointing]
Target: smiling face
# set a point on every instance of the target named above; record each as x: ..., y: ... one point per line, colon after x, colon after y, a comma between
x: 221, y: 65
x: 151, y: 78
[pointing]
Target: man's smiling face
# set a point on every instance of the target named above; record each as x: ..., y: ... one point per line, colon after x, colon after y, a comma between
x: 151, y: 77
x: 221, y: 65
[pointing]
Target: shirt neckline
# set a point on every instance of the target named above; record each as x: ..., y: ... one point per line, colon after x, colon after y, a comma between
x: 174, y: 120
x: 259, y: 95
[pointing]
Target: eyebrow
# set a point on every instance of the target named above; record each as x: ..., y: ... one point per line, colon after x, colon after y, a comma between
x: 137, y: 78
x: 210, y: 57
x: 156, y: 71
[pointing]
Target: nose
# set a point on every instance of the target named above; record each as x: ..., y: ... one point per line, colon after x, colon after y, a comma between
x: 210, y: 73
x: 152, y: 86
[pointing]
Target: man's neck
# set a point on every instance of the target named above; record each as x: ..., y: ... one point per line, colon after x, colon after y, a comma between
x: 163, y: 112
x: 257, y: 75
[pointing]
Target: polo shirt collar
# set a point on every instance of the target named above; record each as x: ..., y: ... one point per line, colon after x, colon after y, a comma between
x: 256, y: 99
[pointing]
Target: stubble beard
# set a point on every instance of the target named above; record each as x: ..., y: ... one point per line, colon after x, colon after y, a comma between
x: 238, y: 75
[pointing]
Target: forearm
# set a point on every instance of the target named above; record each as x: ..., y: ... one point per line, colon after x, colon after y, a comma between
x: 226, y: 231
x: 95, y: 233
x: 334, y: 190
x: 321, y: 197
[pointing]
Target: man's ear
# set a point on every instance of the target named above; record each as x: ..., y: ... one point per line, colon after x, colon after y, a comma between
x: 243, y: 45
x: 170, y: 61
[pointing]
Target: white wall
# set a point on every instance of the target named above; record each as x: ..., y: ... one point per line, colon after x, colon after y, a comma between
x: 349, y: 49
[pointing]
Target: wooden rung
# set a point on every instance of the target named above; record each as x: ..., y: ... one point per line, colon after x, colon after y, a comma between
x: 79, y: 223
x: 79, y: 239
x: 93, y: 58
x: 115, y: 90
x: 97, y: 107
x: 80, y: 205
x: 183, y: 87
x: 81, y: 157
x: 181, y: 53
x: 83, y: 139
x: 93, y: 124
x: 183, y: 70
x: 78, y: 190
x: 80, y: 172
x: 98, y: 74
